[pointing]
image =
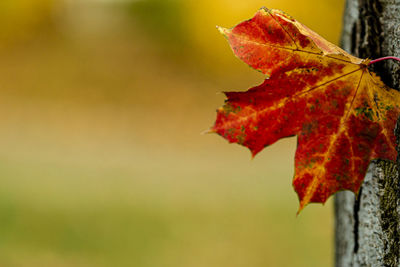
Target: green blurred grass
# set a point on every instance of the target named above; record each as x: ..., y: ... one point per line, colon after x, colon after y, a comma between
x: 162, y: 216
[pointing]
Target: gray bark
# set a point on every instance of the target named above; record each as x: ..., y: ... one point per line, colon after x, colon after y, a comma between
x: 367, y: 227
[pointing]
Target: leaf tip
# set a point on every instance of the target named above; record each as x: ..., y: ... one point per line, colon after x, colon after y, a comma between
x: 303, y: 203
x: 264, y: 9
x: 223, y: 31
x: 301, y: 207
x: 209, y: 131
x: 253, y: 153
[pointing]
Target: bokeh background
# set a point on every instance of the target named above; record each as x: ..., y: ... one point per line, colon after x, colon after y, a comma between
x: 102, y: 161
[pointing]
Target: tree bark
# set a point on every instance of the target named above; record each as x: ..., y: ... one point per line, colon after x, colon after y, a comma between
x: 367, y: 228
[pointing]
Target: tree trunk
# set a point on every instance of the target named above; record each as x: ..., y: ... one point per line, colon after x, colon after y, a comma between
x: 367, y: 229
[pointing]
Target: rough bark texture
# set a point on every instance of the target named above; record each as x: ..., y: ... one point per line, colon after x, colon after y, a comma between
x: 368, y: 227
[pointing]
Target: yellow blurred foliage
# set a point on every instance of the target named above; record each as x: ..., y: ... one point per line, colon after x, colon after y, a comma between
x: 20, y: 19
x: 201, y: 16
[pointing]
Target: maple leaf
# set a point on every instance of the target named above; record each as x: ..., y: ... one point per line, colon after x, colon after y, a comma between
x: 342, y: 114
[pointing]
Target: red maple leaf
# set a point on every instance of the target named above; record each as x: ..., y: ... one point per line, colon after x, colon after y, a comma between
x: 342, y: 114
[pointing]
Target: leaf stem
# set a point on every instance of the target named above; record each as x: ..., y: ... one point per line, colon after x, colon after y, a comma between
x: 382, y: 58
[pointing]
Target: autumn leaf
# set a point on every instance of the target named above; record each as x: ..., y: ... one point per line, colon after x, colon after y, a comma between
x: 342, y: 114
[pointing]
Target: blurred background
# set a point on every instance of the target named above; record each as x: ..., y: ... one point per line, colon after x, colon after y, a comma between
x: 102, y: 161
